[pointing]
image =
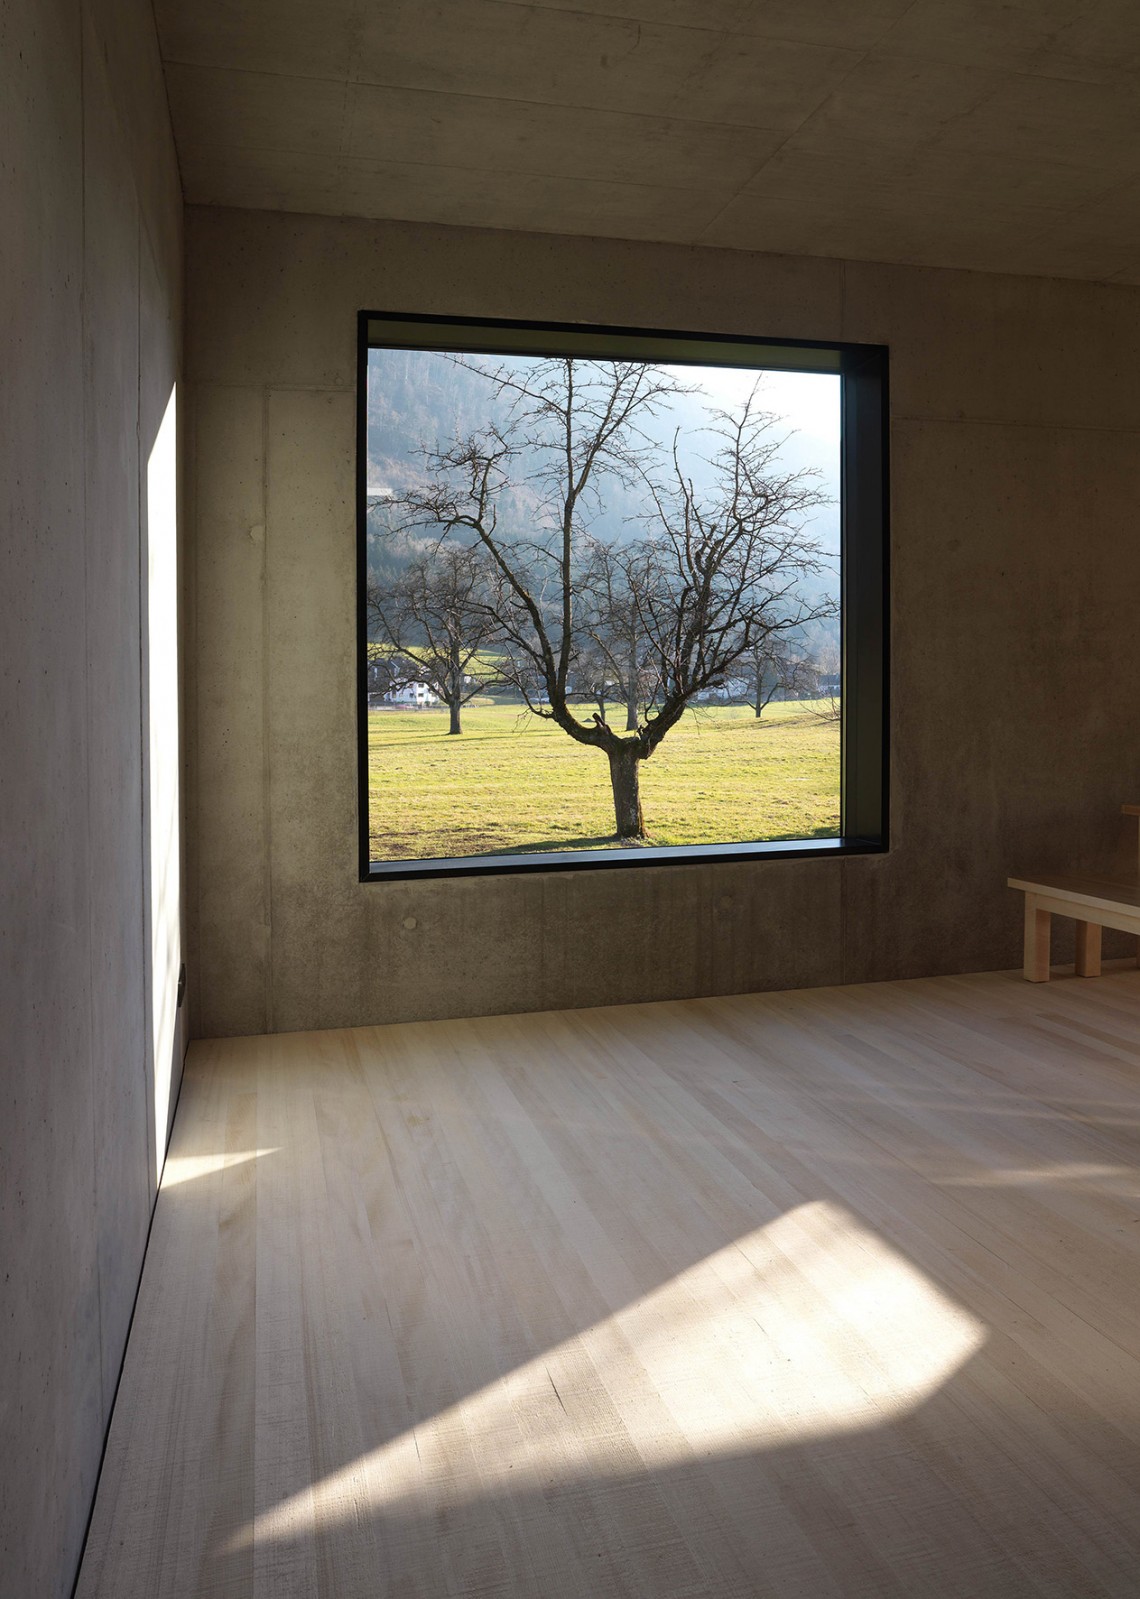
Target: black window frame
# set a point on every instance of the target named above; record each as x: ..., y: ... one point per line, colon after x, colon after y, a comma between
x: 864, y: 572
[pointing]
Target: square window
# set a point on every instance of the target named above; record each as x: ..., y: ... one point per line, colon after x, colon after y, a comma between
x: 621, y: 597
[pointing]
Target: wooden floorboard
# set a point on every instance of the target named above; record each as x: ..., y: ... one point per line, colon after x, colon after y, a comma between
x: 830, y: 1293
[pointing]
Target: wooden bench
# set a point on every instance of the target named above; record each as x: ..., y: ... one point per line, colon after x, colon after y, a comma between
x: 1093, y: 901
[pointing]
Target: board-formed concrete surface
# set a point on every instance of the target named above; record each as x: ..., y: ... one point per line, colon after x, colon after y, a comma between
x: 1015, y: 470
x: 90, y: 335
x: 929, y: 132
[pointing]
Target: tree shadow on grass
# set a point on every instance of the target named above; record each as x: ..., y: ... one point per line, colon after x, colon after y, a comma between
x: 825, y: 830
x: 601, y: 841
x: 459, y: 739
x: 611, y: 842
x: 545, y: 846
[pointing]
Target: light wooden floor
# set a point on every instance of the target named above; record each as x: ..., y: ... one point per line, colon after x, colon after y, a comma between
x: 825, y: 1293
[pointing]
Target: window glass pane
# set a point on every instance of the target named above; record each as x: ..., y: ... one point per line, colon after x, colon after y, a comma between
x: 603, y: 602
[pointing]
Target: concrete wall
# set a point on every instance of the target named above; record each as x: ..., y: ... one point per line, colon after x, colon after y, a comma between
x: 90, y: 345
x: 1015, y: 480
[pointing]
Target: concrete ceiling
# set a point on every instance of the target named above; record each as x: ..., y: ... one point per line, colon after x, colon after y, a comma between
x: 964, y: 133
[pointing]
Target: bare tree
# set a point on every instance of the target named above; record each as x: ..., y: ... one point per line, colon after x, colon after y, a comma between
x: 592, y: 680
x: 434, y: 619
x: 718, y: 573
x: 610, y: 619
x: 711, y: 574
x: 773, y: 669
x: 825, y: 671
x: 383, y: 671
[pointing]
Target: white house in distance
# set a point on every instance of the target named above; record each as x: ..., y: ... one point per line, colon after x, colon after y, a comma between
x: 417, y: 695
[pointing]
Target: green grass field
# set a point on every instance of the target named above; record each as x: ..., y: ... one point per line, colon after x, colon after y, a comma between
x: 510, y: 782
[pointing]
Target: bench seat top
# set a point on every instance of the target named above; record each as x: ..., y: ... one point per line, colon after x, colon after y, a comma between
x: 1093, y: 890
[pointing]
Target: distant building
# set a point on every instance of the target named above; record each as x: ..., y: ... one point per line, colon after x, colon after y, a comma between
x: 414, y: 694
x: 733, y: 688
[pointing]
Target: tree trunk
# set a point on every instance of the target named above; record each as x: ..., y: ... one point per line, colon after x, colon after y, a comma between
x: 454, y: 681
x: 759, y: 697
x: 624, y: 774
x: 631, y: 713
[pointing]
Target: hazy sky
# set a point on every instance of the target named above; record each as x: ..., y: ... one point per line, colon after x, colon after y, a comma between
x: 809, y: 401
x: 808, y: 404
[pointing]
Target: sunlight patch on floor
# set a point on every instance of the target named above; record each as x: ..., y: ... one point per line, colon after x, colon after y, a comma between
x: 807, y: 1328
x: 1096, y: 1178
x: 185, y: 1168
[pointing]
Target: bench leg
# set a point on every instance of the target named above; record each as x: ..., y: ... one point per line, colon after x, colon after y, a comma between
x: 1037, y: 928
x: 1088, y: 949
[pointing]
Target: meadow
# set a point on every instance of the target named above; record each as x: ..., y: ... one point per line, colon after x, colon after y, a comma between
x: 511, y: 782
